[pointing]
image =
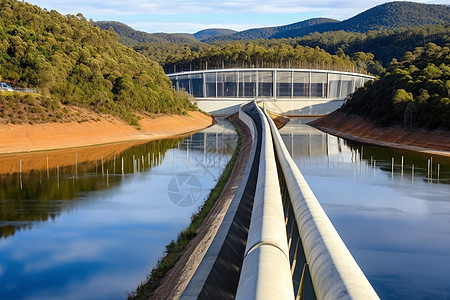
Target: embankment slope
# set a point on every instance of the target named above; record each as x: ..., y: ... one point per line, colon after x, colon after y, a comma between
x: 49, y: 136
x: 358, y: 129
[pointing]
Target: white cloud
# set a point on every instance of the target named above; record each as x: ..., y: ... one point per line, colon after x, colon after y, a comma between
x: 115, y: 285
x: 4, y: 243
x: 69, y: 252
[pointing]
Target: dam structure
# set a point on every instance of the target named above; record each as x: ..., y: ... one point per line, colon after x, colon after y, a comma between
x: 291, y: 92
x: 275, y: 241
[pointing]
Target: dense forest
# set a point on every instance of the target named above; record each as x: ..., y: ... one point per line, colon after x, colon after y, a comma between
x: 384, y: 44
x: 415, y: 91
x: 249, y: 55
x: 72, y: 62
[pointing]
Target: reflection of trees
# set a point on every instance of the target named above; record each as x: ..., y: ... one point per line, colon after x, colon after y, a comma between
x: 218, y: 146
x: 383, y: 157
x: 33, y: 197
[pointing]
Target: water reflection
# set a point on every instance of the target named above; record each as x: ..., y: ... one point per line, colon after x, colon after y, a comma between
x: 91, y: 229
x: 309, y: 145
x: 393, y: 220
x: 41, y: 195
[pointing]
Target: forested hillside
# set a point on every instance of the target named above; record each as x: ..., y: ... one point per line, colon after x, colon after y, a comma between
x: 295, y: 29
x: 414, y: 92
x: 384, y: 44
x: 129, y: 36
x: 72, y: 62
x: 383, y: 32
x: 212, y: 32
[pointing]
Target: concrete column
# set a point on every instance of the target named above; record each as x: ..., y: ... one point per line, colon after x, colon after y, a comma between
x: 274, y: 84
x: 292, y: 84
x: 204, y: 82
x: 309, y: 92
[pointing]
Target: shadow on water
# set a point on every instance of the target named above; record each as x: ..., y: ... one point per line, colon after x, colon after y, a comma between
x: 42, y: 194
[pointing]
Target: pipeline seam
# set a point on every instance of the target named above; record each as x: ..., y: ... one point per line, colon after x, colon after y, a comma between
x: 266, y: 243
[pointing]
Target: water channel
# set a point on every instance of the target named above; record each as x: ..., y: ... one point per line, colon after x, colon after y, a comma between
x: 395, y: 221
x: 89, y: 228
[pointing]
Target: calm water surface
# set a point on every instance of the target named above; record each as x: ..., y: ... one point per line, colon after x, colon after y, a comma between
x: 92, y: 230
x: 396, y: 224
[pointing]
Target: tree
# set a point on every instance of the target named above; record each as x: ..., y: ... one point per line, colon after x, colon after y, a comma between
x: 447, y: 86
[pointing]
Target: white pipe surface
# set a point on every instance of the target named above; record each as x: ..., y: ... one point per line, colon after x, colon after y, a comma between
x: 265, y: 270
x: 334, y: 272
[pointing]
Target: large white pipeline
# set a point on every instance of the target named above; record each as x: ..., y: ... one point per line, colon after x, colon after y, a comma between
x: 334, y: 272
x: 265, y: 271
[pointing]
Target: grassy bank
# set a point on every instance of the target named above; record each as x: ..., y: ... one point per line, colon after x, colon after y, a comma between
x: 175, y: 249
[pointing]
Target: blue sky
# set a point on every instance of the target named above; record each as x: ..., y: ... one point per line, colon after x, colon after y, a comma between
x: 191, y: 16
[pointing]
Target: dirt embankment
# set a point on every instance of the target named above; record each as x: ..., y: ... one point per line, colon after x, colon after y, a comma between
x: 49, y: 136
x: 358, y: 129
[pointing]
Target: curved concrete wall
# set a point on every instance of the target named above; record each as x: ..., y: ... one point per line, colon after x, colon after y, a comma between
x: 266, y: 270
x: 335, y: 274
x: 268, y: 83
x: 298, y: 92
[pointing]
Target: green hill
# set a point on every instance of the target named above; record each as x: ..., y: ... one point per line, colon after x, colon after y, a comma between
x: 414, y: 92
x: 384, y: 44
x: 208, y: 33
x: 130, y: 36
x: 303, y: 27
x: 72, y: 62
x: 393, y: 15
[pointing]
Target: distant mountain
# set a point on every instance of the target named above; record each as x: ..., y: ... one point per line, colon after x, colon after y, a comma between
x: 130, y: 36
x: 208, y: 33
x: 303, y: 27
x: 393, y: 15
x: 389, y: 15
